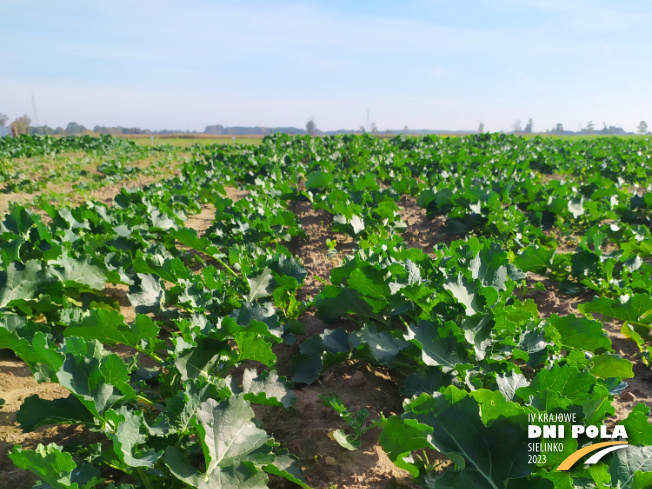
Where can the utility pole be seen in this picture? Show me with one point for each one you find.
(34, 110)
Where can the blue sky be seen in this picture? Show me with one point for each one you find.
(423, 64)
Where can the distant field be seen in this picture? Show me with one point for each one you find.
(185, 140)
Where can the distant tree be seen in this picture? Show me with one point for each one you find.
(590, 127)
(374, 128)
(517, 126)
(4, 118)
(559, 128)
(311, 127)
(363, 130)
(21, 124)
(642, 128)
(73, 129)
(528, 126)
(481, 127)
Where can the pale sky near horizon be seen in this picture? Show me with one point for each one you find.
(423, 64)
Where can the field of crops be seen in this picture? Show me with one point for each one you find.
(324, 312)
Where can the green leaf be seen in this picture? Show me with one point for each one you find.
(509, 383)
(536, 259)
(465, 293)
(82, 373)
(128, 428)
(346, 441)
(227, 433)
(198, 360)
(638, 427)
(402, 436)
(333, 302)
(80, 272)
(626, 463)
(239, 476)
(559, 384)
(636, 310)
(611, 365)
(482, 457)
(318, 179)
(319, 352)
(287, 466)
(382, 348)
(54, 466)
(253, 347)
(267, 388)
(437, 348)
(109, 328)
(35, 412)
(260, 285)
(580, 333)
(24, 282)
(146, 294)
(18, 221)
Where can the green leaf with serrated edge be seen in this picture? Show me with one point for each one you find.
(227, 432)
(490, 267)
(369, 286)
(170, 269)
(146, 294)
(402, 436)
(126, 434)
(81, 375)
(35, 412)
(477, 331)
(381, 346)
(267, 388)
(182, 407)
(80, 272)
(318, 179)
(598, 406)
(642, 480)
(50, 464)
(333, 302)
(109, 328)
(611, 365)
(253, 347)
(11, 340)
(437, 349)
(197, 360)
(624, 464)
(536, 259)
(638, 427)
(580, 333)
(288, 467)
(18, 221)
(319, 352)
(600, 475)
(479, 452)
(509, 383)
(466, 293)
(572, 385)
(493, 405)
(238, 476)
(260, 285)
(25, 282)
(636, 310)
